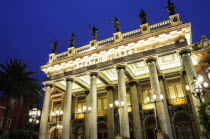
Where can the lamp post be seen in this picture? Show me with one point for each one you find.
(158, 128)
(116, 107)
(34, 115)
(199, 85)
(57, 114)
(85, 111)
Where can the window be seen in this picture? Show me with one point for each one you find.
(146, 92)
(176, 91)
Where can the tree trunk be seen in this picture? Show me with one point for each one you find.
(8, 112)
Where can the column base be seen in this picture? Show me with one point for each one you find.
(118, 137)
(160, 135)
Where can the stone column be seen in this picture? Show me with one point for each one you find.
(67, 109)
(137, 128)
(190, 71)
(123, 112)
(73, 107)
(45, 111)
(110, 112)
(93, 105)
(165, 104)
(87, 124)
(162, 111)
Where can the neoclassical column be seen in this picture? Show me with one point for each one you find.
(93, 104)
(45, 111)
(110, 112)
(123, 112)
(73, 107)
(67, 109)
(190, 71)
(137, 128)
(162, 111)
(87, 121)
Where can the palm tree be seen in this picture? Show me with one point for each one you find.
(16, 84)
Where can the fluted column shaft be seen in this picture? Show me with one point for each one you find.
(110, 112)
(93, 104)
(137, 128)
(123, 112)
(190, 71)
(87, 121)
(67, 109)
(162, 111)
(45, 111)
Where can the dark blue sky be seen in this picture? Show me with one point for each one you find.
(28, 26)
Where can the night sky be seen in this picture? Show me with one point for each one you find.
(27, 27)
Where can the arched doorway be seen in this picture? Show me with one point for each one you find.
(183, 126)
(79, 132)
(150, 128)
(102, 131)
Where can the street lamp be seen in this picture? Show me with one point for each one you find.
(199, 85)
(85, 111)
(117, 106)
(34, 115)
(158, 128)
(57, 114)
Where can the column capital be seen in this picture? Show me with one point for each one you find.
(109, 87)
(133, 82)
(93, 74)
(69, 79)
(150, 60)
(160, 76)
(49, 84)
(87, 92)
(185, 51)
(120, 67)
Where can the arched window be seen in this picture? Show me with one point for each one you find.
(150, 128)
(183, 126)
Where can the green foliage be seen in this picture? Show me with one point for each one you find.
(21, 134)
(202, 115)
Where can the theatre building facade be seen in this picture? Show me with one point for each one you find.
(132, 85)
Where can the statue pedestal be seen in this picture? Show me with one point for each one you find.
(93, 44)
(144, 28)
(160, 135)
(175, 20)
(117, 36)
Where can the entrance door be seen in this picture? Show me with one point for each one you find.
(183, 127)
(150, 128)
(102, 131)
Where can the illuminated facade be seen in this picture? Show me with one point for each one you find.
(131, 67)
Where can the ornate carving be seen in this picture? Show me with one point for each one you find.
(179, 108)
(203, 44)
(102, 119)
